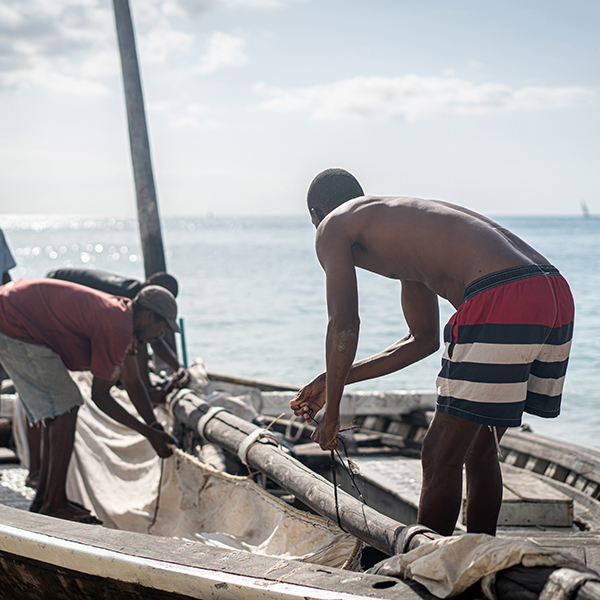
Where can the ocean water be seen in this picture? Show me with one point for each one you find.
(253, 300)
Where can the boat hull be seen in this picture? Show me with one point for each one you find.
(42, 557)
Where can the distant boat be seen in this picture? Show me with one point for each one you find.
(584, 209)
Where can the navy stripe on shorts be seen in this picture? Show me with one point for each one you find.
(507, 347)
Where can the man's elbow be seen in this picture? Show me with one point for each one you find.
(429, 344)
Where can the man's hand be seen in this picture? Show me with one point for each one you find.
(161, 442)
(310, 399)
(182, 378)
(325, 433)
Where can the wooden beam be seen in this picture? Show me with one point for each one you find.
(152, 244)
(229, 432)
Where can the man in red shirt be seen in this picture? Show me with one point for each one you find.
(49, 327)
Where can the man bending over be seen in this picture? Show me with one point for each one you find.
(50, 327)
(506, 347)
(116, 285)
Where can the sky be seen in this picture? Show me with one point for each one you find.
(490, 105)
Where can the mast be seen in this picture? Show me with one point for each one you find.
(148, 218)
(149, 221)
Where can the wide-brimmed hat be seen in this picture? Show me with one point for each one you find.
(162, 302)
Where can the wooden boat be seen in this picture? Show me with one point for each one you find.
(39, 556)
(43, 557)
(551, 487)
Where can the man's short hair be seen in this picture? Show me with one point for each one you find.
(331, 188)
(164, 280)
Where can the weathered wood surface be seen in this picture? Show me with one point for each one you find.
(265, 386)
(42, 558)
(527, 501)
(229, 432)
(360, 403)
(149, 221)
(562, 461)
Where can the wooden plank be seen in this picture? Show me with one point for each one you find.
(399, 475)
(391, 485)
(359, 403)
(577, 459)
(208, 572)
(533, 502)
(528, 487)
(526, 501)
(266, 386)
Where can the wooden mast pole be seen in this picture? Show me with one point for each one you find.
(150, 231)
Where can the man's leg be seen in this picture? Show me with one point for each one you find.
(38, 501)
(34, 441)
(51, 498)
(484, 483)
(60, 438)
(445, 449)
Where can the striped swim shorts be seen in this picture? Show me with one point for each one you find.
(507, 347)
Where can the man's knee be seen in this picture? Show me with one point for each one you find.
(448, 441)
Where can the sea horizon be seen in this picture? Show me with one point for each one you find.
(253, 300)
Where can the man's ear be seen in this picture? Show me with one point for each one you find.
(146, 316)
(316, 216)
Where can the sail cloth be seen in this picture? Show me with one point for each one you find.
(448, 566)
(115, 472)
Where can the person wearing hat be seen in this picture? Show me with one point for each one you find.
(116, 285)
(48, 328)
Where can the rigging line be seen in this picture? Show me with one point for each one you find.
(335, 492)
(162, 467)
(347, 468)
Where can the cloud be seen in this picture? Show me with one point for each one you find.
(223, 51)
(162, 42)
(49, 43)
(45, 42)
(194, 8)
(411, 97)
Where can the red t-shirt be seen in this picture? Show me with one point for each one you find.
(88, 329)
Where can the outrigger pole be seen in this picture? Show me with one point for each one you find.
(149, 221)
(148, 218)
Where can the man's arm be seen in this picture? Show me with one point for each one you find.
(421, 311)
(334, 251)
(165, 353)
(136, 390)
(142, 364)
(107, 404)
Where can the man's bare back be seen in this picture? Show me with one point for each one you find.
(438, 244)
(506, 347)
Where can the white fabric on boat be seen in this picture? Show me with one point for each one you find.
(115, 473)
(448, 566)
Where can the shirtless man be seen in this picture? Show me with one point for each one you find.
(506, 347)
(50, 327)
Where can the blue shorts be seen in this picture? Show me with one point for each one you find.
(41, 378)
(507, 347)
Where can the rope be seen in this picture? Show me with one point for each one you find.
(347, 467)
(262, 434)
(300, 428)
(162, 467)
